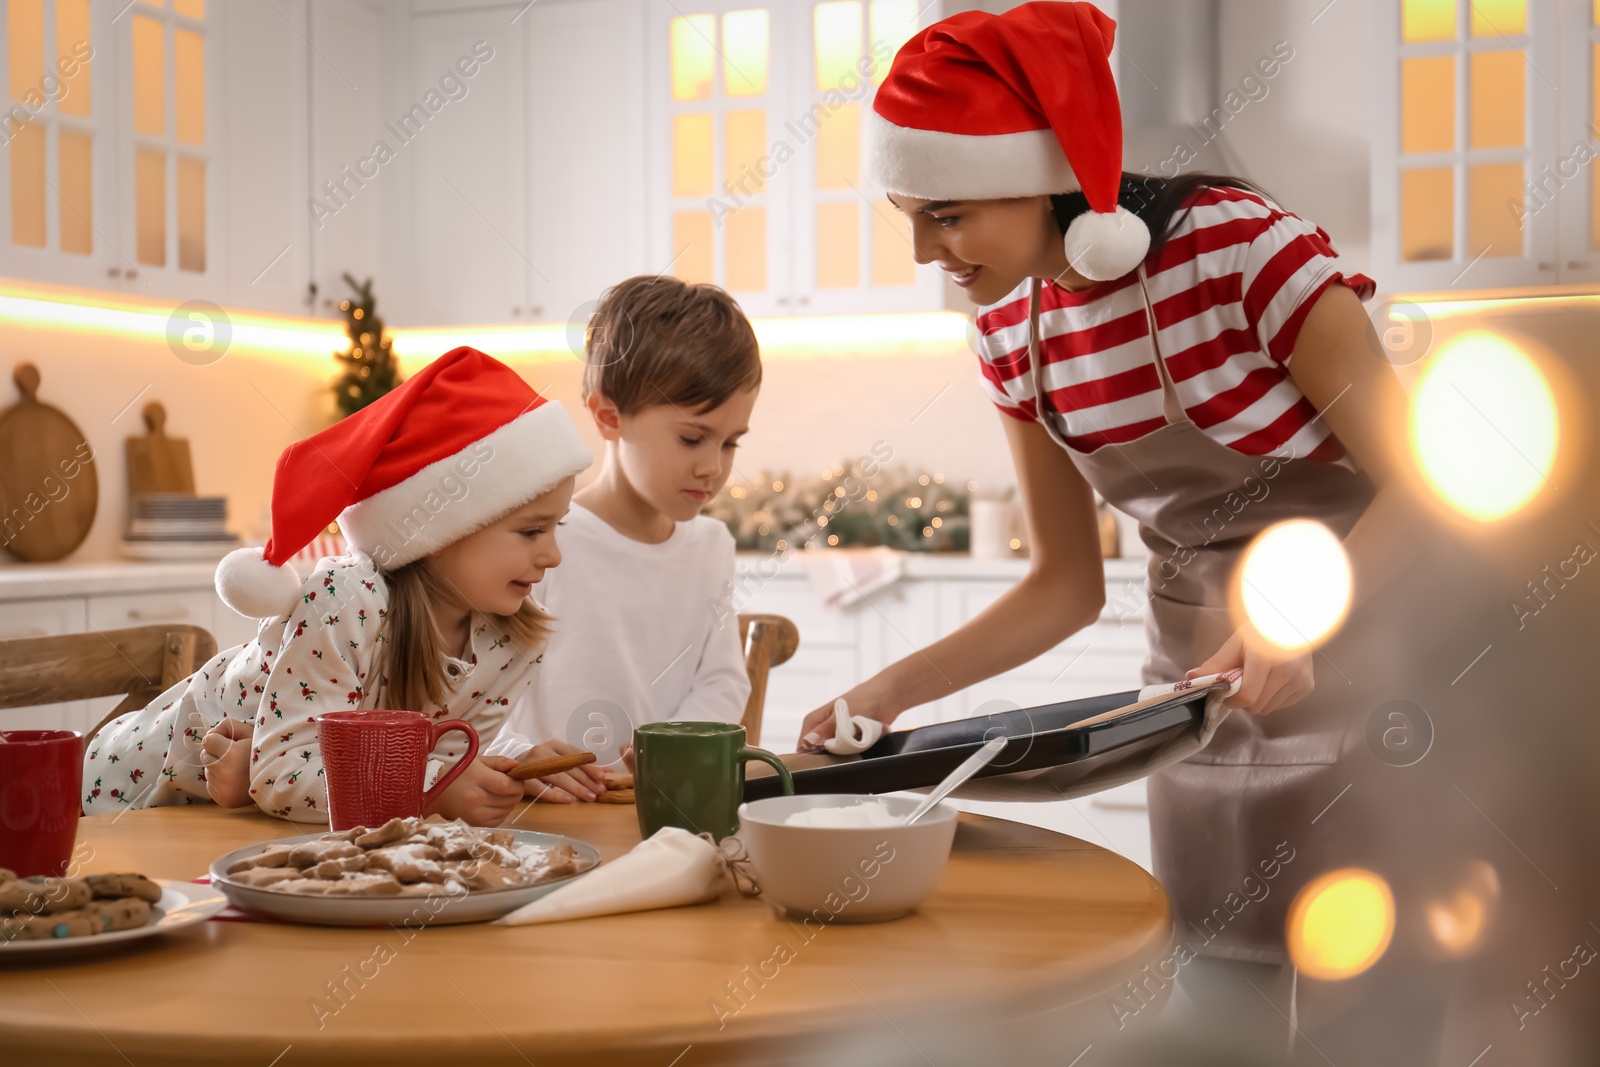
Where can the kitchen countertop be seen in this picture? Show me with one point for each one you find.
(30, 581)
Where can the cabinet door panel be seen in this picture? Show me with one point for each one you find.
(471, 257)
(44, 618)
(584, 150)
(351, 187)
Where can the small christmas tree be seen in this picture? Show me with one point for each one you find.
(369, 366)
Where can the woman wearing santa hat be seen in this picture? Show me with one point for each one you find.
(1196, 354)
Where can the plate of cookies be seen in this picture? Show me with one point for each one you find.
(407, 869)
(54, 916)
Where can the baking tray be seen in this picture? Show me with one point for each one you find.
(1039, 738)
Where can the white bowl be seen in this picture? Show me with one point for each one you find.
(845, 874)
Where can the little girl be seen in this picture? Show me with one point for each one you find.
(448, 491)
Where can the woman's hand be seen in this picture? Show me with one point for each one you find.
(225, 755)
(1273, 678)
(580, 783)
(820, 725)
(481, 795)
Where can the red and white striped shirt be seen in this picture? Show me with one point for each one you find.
(1230, 288)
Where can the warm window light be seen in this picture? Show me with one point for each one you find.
(1294, 583)
(1340, 924)
(1484, 426)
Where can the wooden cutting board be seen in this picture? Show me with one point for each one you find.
(49, 490)
(158, 463)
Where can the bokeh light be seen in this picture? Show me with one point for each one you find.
(1458, 923)
(1294, 583)
(1340, 924)
(1484, 426)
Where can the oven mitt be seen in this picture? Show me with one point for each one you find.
(1216, 710)
(852, 733)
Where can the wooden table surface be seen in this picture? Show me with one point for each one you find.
(1023, 921)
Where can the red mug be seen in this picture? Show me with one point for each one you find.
(41, 797)
(373, 763)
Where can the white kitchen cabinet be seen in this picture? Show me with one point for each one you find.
(130, 178)
(1481, 172)
(463, 140)
(44, 617)
(354, 184)
(169, 136)
(757, 139)
(585, 179)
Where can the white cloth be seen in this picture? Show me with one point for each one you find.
(648, 628)
(840, 577)
(318, 658)
(851, 733)
(672, 868)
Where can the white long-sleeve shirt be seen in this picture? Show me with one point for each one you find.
(317, 658)
(643, 633)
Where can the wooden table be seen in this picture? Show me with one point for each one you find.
(1024, 921)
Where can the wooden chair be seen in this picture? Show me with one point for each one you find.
(137, 664)
(768, 641)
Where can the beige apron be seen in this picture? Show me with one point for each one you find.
(1235, 808)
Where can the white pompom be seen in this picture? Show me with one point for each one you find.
(1106, 245)
(254, 588)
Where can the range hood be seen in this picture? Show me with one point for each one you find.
(1167, 76)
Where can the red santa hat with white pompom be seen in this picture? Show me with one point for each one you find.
(987, 107)
(460, 444)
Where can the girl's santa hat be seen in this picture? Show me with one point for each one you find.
(988, 107)
(458, 445)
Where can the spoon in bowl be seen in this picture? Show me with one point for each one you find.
(969, 766)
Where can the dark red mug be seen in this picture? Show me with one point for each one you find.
(373, 763)
(41, 796)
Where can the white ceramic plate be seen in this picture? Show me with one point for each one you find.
(476, 907)
(181, 904)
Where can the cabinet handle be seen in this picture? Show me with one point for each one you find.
(805, 300)
(535, 311)
(516, 311)
(783, 300)
(1120, 805)
(175, 611)
(1577, 264)
(32, 631)
(1547, 266)
(113, 272)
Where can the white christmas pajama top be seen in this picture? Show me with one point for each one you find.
(317, 659)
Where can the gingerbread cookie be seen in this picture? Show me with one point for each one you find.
(116, 886)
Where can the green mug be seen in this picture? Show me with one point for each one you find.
(691, 774)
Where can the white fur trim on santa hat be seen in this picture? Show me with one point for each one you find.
(254, 588)
(461, 494)
(933, 165)
(1102, 245)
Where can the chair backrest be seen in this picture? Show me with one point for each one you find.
(137, 664)
(768, 641)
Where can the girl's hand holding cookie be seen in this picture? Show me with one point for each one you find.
(225, 755)
(580, 783)
(483, 794)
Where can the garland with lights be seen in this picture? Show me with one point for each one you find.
(844, 508)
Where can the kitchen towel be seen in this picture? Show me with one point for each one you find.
(851, 733)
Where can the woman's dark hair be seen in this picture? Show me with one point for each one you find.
(1155, 200)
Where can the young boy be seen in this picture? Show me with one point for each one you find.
(643, 628)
